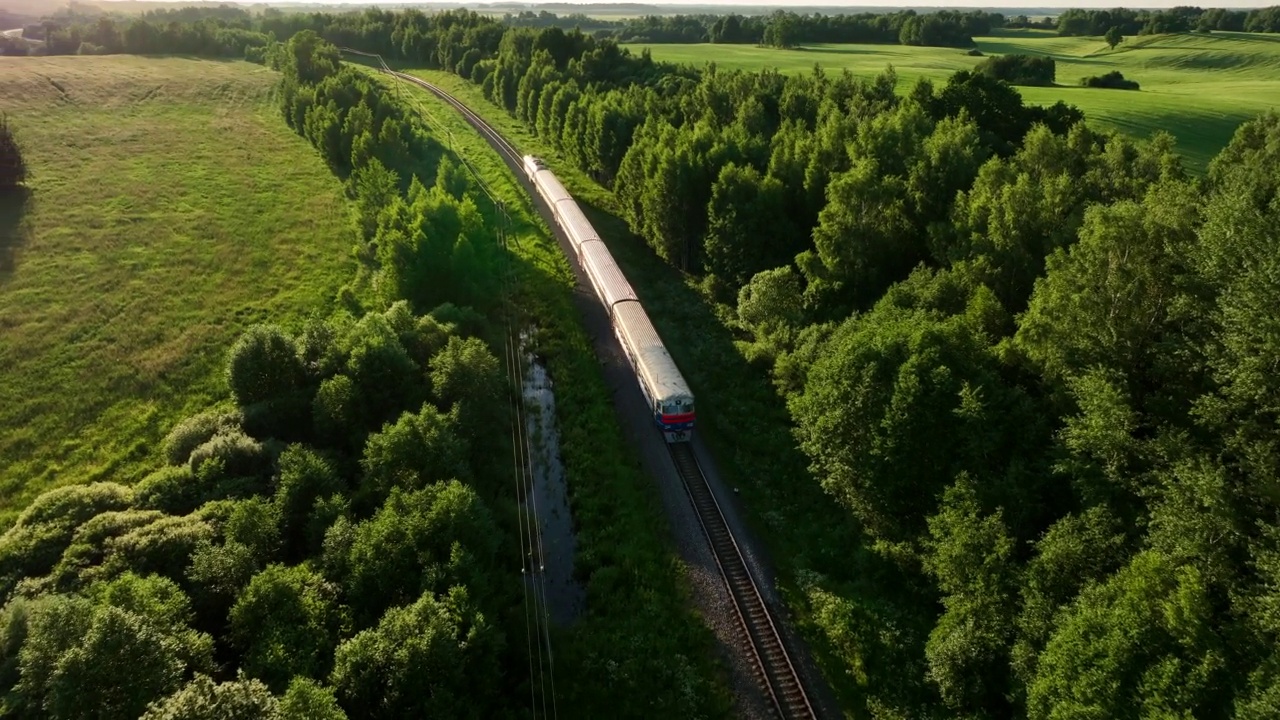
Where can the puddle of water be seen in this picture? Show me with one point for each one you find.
(547, 499)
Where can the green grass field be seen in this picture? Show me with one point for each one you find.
(171, 208)
(1198, 87)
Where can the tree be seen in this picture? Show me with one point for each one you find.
(1113, 300)
(900, 401)
(1113, 37)
(422, 660)
(373, 186)
(203, 699)
(263, 365)
(425, 540)
(288, 622)
(747, 226)
(971, 557)
(125, 646)
(864, 235)
(418, 450)
(1140, 644)
(771, 304)
(308, 700)
(13, 168)
(310, 59)
(305, 478)
(467, 374)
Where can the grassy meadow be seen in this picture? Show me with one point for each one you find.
(1198, 87)
(171, 207)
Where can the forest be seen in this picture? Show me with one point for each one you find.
(1031, 363)
(1029, 360)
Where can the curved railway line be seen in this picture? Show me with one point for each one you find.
(774, 671)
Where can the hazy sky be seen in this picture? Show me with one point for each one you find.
(934, 3)
(853, 6)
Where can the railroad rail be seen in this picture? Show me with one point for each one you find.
(774, 670)
(772, 665)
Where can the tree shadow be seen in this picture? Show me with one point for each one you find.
(15, 227)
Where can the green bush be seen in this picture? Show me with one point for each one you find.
(1114, 80)
(175, 490)
(195, 431)
(163, 547)
(239, 454)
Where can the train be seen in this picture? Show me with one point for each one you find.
(664, 388)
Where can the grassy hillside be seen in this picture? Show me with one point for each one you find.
(1199, 87)
(171, 208)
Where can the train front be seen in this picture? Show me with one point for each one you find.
(675, 417)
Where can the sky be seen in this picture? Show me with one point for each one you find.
(1109, 4)
(834, 5)
(854, 7)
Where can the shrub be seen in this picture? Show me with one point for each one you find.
(240, 454)
(35, 544)
(175, 490)
(13, 169)
(163, 547)
(88, 545)
(974, 52)
(1114, 80)
(196, 431)
(1020, 69)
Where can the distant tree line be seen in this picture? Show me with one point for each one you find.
(787, 29)
(1174, 20)
(228, 31)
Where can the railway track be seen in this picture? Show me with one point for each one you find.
(772, 665)
(775, 672)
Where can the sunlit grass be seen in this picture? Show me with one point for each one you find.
(171, 208)
(1198, 87)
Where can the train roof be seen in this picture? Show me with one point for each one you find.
(576, 224)
(552, 190)
(655, 364)
(605, 273)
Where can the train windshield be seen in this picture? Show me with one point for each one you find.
(680, 406)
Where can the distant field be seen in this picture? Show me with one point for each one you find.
(1199, 87)
(171, 209)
